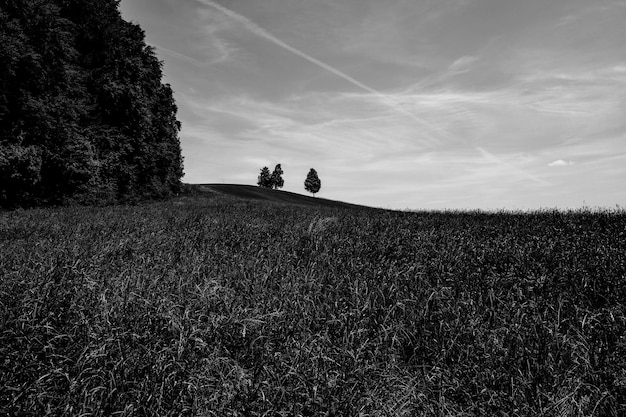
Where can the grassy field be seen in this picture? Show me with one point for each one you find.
(213, 305)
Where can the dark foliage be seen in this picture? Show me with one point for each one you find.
(277, 177)
(84, 116)
(312, 183)
(265, 178)
(273, 180)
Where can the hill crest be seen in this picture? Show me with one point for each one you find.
(251, 192)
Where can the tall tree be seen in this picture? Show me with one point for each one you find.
(312, 183)
(84, 116)
(277, 177)
(265, 178)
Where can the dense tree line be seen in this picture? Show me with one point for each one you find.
(84, 116)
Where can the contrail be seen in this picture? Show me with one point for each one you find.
(492, 158)
(178, 55)
(259, 31)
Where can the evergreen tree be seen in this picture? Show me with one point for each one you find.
(277, 179)
(84, 116)
(312, 183)
(265, 178)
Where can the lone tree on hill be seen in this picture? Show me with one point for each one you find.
(312, 183)
(265, 179)
(277, 179)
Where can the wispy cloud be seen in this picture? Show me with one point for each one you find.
(434, 132)
(560, 163)
(179, 55)
(510, 167)
(447, 104)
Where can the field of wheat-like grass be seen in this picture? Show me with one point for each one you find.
(225, 307)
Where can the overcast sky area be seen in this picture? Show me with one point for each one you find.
(403, 104)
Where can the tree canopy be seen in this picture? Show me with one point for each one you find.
(277, 177)
(265, 178)
(84, 116)
(312, 183)
(273, 180)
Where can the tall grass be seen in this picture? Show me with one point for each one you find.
(220, 307)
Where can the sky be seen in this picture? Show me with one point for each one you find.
(402, 104)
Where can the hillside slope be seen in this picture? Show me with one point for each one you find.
(250, 192)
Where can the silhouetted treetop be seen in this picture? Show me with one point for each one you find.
(277, 177)
(265, 178)
(312, 182)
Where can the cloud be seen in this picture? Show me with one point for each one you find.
(510, 167)
(387, 101)
(462, 64)
(560, 163)
(179, 55)
(394, 108)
